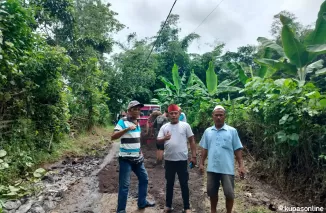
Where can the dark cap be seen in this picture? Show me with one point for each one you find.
(133, 104)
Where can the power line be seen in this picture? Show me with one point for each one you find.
(160, 31)
(207, 16)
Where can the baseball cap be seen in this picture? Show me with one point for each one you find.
(219, 107)
(134, 103)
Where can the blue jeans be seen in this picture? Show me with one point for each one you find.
(124, 181)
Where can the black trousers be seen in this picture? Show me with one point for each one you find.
(180, 168)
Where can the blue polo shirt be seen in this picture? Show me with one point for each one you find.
(221, 144)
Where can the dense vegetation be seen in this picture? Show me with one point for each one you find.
(58, 75)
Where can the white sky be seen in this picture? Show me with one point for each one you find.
(234, 22)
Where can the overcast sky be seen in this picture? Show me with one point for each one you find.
(234, 22)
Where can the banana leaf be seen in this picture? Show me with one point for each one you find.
(176, 78)
(318, 36)
(293, 49)
(167, 83)
(315, 66)
(317, 48)
(238, 70)
(211, 79)
(272, 45)
(277, 65)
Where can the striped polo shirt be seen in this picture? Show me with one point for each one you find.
(130, 141)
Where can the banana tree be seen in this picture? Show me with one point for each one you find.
(182, 91)
(239, 70)
(173, 92)
(212, 87)
(297, 58)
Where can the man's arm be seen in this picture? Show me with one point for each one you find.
(164, 138)
(118, 134)
(161, 137)
(238, 156)
(160, 140)
(193, 149)
(204, 153)
(147, 127)
(237, 147)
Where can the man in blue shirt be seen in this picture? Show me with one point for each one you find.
(131, 158)
(220, 143)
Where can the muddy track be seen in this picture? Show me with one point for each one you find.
(97, 193)
(84, 195)
(108, 183)
(90, 185)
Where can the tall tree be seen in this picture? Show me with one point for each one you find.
(129, 77)
(299, 29)
(170, 49)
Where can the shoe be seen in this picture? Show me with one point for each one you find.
(168, 210)
(148, 204)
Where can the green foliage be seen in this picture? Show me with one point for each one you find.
(211, 79)
(20, 187)
(272, 45)
(130, 78)
(300, 54)
(293, 49)
(55, 78)
(49, 79)
(175, 92)
(318, 35)
(281, 119)
(238, 71)
(176, 78)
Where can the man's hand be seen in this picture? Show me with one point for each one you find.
(167, 136)
(133, 127)
(242, 172)
(118, 134)
(201, 168)
(194, 161)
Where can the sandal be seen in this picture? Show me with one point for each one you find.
(186, 211)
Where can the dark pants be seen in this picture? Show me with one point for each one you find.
(181, 168)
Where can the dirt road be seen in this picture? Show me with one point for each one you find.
(97, 193)
(108, 184)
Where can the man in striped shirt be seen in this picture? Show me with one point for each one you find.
(131, 157)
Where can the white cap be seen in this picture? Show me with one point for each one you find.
(219, 107)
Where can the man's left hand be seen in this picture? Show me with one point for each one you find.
(194, 161)
(242, 172)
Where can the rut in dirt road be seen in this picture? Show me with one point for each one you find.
(108, 183)
(84, 196)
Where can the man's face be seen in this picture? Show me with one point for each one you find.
(219, 116)
(174, 116)
(134, 112)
